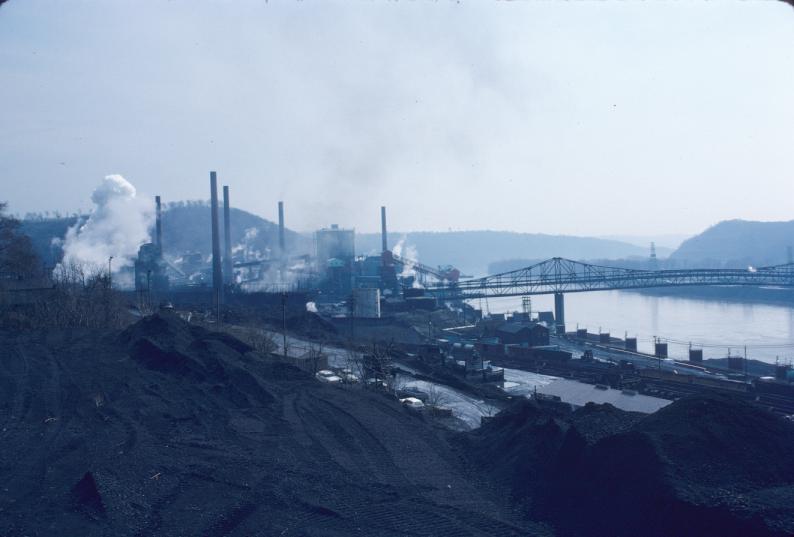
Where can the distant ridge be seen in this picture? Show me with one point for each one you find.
(738, 243)
(473, 251)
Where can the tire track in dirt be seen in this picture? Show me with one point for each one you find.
(354, 446)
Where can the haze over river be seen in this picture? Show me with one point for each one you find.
(716, 326)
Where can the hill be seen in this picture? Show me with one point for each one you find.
(473, 251)
(42, 233)
(738, 243)
(169, 429)
(186, 228)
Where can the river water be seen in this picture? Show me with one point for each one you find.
(716, 326)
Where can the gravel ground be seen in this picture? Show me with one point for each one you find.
(167, 429)
(706, 465)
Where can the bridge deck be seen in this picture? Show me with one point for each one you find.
(560, 275)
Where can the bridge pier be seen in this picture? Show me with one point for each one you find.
(559, 313)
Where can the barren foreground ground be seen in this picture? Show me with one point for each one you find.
(166, 429)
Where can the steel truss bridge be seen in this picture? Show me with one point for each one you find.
(557, 276)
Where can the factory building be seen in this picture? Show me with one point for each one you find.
(150, 269)
(336, 252)
(335, 243)
(531, 334)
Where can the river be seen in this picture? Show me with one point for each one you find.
(716, 326)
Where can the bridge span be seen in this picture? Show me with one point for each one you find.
(558, 276)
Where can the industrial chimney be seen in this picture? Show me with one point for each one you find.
(228, 274)
(281, 239)
(217, 275)
(383, 237)
(158, 226)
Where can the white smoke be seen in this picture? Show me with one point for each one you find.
(247, 246)
(409, 254)
(118, 225)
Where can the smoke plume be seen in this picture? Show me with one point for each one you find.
(409, 254)
(118, 225)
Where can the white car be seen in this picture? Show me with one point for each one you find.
(413, 403)
(330, 377)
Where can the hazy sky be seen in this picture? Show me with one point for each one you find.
(578, 118)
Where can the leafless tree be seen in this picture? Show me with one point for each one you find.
(486, 409)
(17, 257)
(261, 340)
(315, 356)
(435, 397)
(81, 297)
(377, 365)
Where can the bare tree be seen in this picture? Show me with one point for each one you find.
(82, 297)
(435, 397)
(487, 410)
(315, 356)
(261, 340)
(17, 257)
(377, 365)
(355, 362)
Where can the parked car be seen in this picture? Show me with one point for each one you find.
(412, 403)
(324, 375)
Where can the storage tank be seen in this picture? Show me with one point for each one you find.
(366, 303)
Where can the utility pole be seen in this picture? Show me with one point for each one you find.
(110, 271)
(284, 321)
(107, 294)
(352, 318)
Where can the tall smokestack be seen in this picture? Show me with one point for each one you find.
(217, 275)
(281, 239)
(227, 239)
(158, 226)
(383, 236)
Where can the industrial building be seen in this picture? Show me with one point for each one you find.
(338, 280)
(531, 334)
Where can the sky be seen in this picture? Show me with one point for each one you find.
(620, 118)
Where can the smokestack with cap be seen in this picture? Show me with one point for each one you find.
(158, 226)
(217, 275)
(281, 239)
(227, 239)
(383, 236)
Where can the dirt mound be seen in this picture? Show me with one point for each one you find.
(155, 357)
(716, 441)
(86, 496)
(594, 421)
(706, 465)
(168, 429)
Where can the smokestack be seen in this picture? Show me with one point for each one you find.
(217, 275)
(281, 240)
(227, 239)
(383, 236)
(158, 227)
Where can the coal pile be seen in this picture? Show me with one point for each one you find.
(169, 429)
(705, 465)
